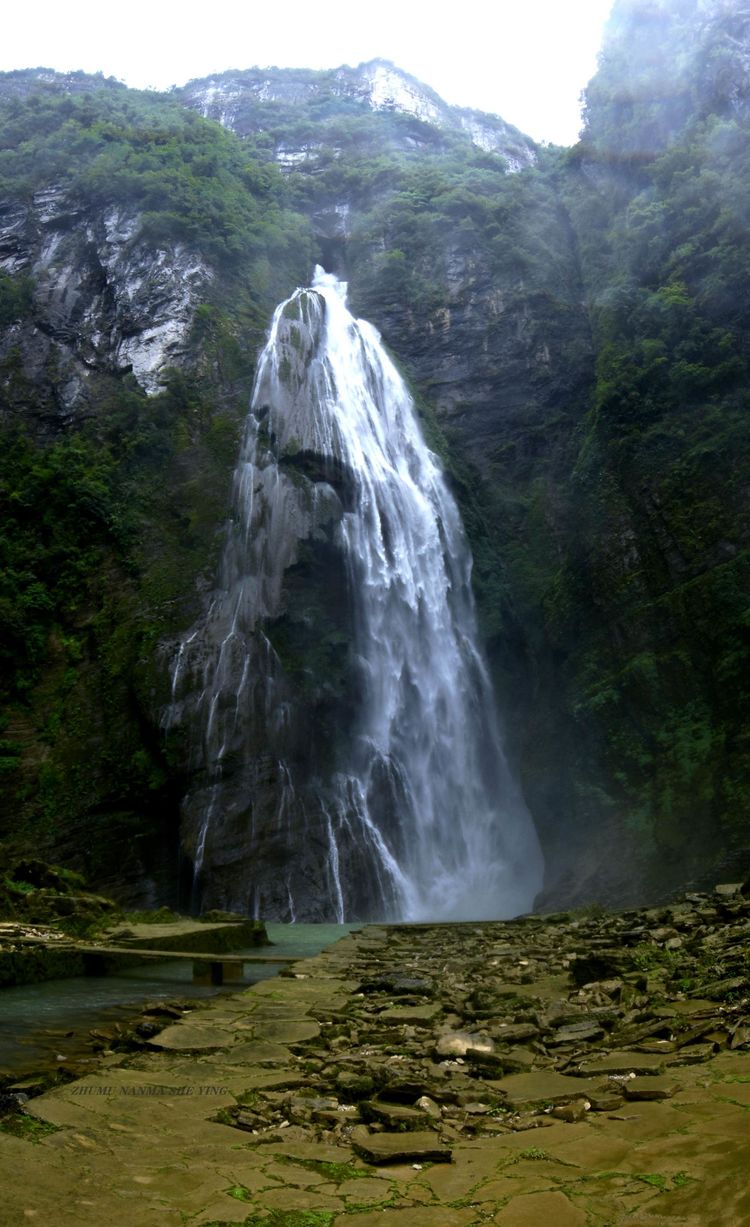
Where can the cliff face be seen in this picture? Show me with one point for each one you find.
(105, 316)
(141, 258)
(575, 326)
(106, 302)
(244, 101)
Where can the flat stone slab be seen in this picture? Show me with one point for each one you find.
(691, 1054)
(286, 1030)
(622, 1063)
(538, 1208)
(418, 1014)
(539, 1087)
(514, 1061)
(148, 1141)
(418, 1216)
(650, 1088)
(257, 1052)
(576, 1033)
(414, 1147)
(393, 1115)
(184, 1037)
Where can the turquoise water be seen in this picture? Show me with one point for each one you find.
(41, 1022)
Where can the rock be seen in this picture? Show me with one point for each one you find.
(507, 1033)
(622, 1063)
(384, 1148)
(605, 1101)
(573, 1111)
(458, 1043)
(398, 985)
(393, 1116)
(354, 1084)
(28, 1087)
(662, 935)
(515, 1061)
(718, 990)
(420, 1015)
(740, 1036)
(602, 966)
(692, 1054)
(576, 1033)
(650, 1088)
(187, 1037)
(539, 1088)
(664, 1047)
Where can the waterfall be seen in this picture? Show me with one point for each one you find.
(395, 802)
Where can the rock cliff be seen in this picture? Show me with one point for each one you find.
(241, 101)
(575, 326)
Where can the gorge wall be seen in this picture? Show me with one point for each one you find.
(574, 324)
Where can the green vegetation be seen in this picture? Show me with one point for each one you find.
(239, 1193)
(577, 336)
(108, 517)
(188, 179)
(336, 1172)
(281, 1218)
(30, 1128)
(154, 916)
(649, 610)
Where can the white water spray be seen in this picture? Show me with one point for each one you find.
(421, 818)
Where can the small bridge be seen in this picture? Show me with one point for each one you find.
(207, 968)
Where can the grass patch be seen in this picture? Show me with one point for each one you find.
(656, 1181)
(336, 1172)
(681, 1180)
(535, 1152)
(665, 1184)
(293, 1218)
(248, 1099)
(29, 1127)
(156, 916)
(280, 1218)
(239, 1193)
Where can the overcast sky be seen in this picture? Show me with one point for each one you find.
(526, 60)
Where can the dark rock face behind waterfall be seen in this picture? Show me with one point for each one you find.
(400, 786)
(574, 325)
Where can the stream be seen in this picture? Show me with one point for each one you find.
(48, 1023)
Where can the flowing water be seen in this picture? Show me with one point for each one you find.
(417, 817)
(43, 1023)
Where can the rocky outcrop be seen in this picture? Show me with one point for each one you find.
(262, 686)
(104, 301)
(240, 100)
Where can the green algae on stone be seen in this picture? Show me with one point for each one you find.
(31, 1128)
(337, 1172)
(281, 1218)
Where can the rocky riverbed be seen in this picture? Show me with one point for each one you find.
(592, 1068)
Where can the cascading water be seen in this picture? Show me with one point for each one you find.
(398, 803)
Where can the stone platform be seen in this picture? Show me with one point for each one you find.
(586, 1071)
(32, 953)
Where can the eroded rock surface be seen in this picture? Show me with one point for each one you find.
(460, 1073)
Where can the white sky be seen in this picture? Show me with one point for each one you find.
(526, 60)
